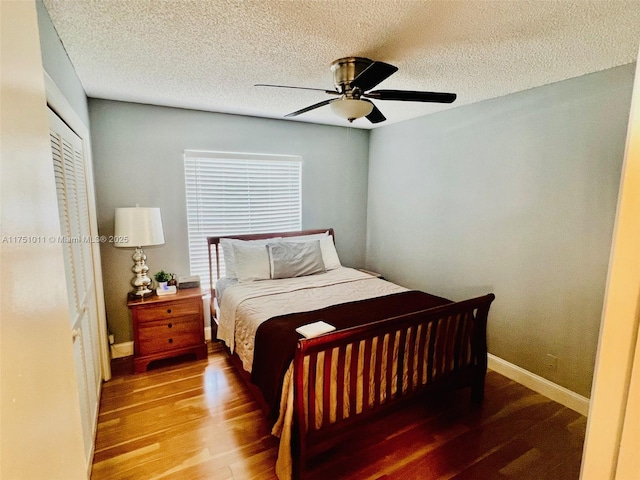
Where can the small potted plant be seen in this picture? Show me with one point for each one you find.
(162, 278)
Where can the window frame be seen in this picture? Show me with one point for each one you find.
(198, 230)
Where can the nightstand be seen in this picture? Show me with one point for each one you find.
(167, 326)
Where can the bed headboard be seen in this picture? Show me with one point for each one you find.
(213, 244)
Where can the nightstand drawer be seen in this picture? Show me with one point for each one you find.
(167, 334)
(168, 311)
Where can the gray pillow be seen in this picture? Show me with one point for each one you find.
(292, 259)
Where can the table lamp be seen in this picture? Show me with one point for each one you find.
(137, 227)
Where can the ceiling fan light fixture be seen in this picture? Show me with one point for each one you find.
(351, 108)
(353, 78)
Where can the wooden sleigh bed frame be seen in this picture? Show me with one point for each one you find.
(349, 376)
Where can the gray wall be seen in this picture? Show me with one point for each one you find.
(515, 196)
(57, 64)
(138, 157)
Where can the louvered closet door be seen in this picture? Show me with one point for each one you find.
(69, 168)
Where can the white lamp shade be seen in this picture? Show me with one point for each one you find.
(350, 108)
(138, 227)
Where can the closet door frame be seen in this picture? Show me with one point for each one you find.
(60, 105)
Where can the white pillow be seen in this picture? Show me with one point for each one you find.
(329, 254)
(306, 238)
(228, 253)
(252, 261)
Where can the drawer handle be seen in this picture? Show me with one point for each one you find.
(168, 310)
(171, 340)
(170, 325)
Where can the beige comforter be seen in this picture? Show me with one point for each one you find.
(247, 305)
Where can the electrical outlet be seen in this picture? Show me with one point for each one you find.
(552, 362)
(112, 339)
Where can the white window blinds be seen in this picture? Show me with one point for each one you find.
(236, 193)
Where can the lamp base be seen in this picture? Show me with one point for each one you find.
(131, 296)
(141, 281)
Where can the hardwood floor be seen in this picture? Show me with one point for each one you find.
(197, 420)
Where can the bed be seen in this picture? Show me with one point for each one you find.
(386, 344)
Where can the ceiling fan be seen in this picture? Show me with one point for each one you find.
(354, 77)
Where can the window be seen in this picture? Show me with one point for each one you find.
(238, 193)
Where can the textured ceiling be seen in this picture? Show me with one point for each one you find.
(207, 55)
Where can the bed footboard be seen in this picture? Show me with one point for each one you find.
(345, 377)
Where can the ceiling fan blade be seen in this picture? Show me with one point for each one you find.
(331, 92)
(376, 115)
(373, 75)
(411, 96)
(312, 107)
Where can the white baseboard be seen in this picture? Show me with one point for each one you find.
(120, 350)
(541, 385)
